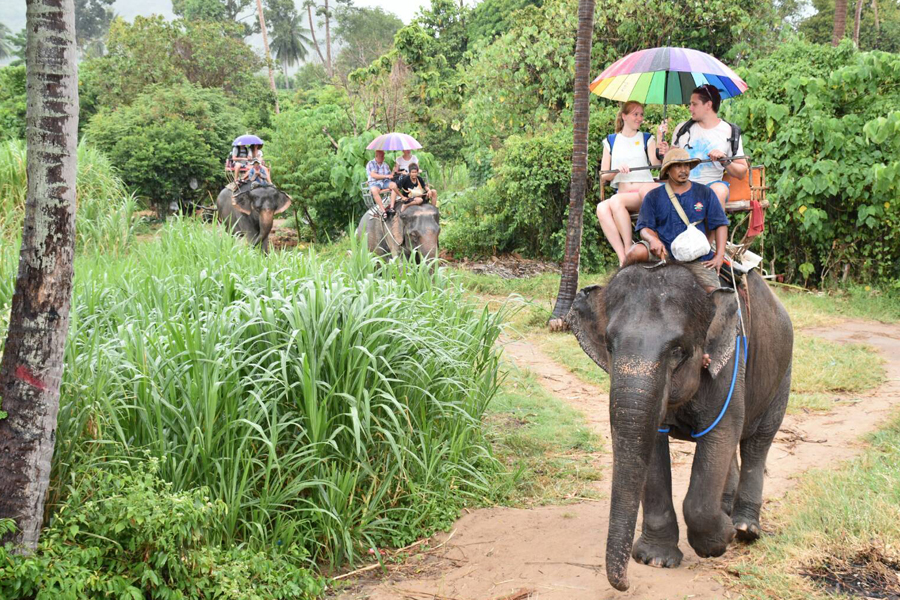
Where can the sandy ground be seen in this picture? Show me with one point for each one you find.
(556, 552)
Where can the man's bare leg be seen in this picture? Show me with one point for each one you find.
(376, 195)
(638, 253)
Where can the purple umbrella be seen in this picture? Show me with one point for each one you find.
(394, 141)
(247, 140)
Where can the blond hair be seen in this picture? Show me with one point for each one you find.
(626, 109)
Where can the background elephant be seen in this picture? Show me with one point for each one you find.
(252, 212)
(421, 228)
(649, 329)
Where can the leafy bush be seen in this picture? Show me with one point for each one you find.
(105, 209)
(308, 166)
(125, 533)
(12, 103)
(328, 408)
(167, 136)
(824, 122)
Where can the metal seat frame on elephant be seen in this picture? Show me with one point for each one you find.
(741, 193)
(369, 200)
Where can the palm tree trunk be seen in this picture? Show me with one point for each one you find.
(840, 22)
(265, 36)
(312, 31)
(328, 40)
(568, 285)
(856, 19)
(877, 21)
(32, 363)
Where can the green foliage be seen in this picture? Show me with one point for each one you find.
(126, 533)
(365, 34)
(92, 19)
(153, 51)
(302, 158)
(103, 220)
(167, 136)
(524, 206)
(491, 18)
(824, 122)
(12, 103)
(885, 35)
(304, 394)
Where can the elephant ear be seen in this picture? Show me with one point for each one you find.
(588, 321)
(287, 203)
(720, 337)
(242, 203)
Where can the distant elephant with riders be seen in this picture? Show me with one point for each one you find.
(412, 231)
(251, 211)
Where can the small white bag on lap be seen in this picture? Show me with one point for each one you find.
(690, 244)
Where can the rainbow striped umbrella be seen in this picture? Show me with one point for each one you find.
(665, 76)
(394, 141)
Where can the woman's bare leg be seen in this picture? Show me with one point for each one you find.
(608, 225)
(622, 205)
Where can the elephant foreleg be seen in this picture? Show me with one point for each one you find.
(658, 544)
(731, 485)
(754, 451)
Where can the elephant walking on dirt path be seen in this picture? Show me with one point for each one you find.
(650, 328)
(252, 211)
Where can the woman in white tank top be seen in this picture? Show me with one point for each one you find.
(628, 151)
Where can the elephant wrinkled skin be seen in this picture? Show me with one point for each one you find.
(649, 329)
(421, 228)
(252, 213)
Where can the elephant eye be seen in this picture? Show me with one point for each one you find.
(678, 352)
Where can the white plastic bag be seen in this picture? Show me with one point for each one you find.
(690, 245)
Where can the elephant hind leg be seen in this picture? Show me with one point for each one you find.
(754, 451)
(658, 544)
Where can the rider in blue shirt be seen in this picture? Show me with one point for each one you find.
(659, 223)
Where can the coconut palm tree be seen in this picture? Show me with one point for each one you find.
(290, 42)
(32, 362)
(5, 48)
(568, 284)
(840, 22)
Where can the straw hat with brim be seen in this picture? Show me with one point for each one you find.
(676, 156)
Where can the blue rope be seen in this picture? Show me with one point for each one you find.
(737, 364)
(741, 339)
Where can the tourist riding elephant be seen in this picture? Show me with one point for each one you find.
(655, 330)
(420, 227)
(252, 211)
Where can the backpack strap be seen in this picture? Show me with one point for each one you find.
(735, 139)
(647, 137)
(686, 128)
(611, 140)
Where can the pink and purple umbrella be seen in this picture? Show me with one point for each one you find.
(394, 141)
(665, 76)
(247, 140)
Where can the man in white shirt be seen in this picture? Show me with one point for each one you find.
(706, 136)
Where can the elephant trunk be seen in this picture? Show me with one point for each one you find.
(266, 219)
(634, 409)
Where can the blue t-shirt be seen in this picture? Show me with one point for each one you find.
(699, 204)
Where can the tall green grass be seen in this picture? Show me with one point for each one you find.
(105, 208)
(327, 403)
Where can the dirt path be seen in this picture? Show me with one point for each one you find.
(557, 551)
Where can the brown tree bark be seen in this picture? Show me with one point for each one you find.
(31, 367)
(856, 19)
(840, 22)
(330, 67)
(312, 31)
(568, 285)
(265, 36)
